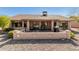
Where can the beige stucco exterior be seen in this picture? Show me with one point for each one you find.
(41, 35)
(48, 22)
(29, 24)
(74, 24)
(29, 19)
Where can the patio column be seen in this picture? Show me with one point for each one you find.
(40, 24)
(28, 26)
(22, 24)
(18, 24)
(52, 24)
(69, 25)
(13, 25)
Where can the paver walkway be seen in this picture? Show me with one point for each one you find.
(37, 45)
(3, 39)
(76, 36)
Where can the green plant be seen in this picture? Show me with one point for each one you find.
(64, 26)
(72, 34)
(8, 29)
(4, 22)
(10, 34)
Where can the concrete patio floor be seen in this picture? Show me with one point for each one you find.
(39, 45)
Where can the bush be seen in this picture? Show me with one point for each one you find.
(10, 34)
(8, 29)
(72, 34)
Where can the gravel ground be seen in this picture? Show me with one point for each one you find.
(39, 45)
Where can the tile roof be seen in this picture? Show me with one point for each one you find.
(39, 17)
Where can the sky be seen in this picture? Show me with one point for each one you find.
(11, 11)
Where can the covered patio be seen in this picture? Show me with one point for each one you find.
(40, 25)
(42, 22)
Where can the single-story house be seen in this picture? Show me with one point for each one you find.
(40, 23)
(75, 24)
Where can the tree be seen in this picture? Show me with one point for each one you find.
(76, 18)
(4, 22)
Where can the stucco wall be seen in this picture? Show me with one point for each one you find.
(74, 24)
(41, 35)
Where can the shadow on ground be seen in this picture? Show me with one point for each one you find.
(40, 41)
(3, 37)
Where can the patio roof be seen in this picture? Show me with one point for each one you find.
(40, 17)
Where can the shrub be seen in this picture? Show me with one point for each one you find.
(72, 34)
(8, 29)
(10, 34)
